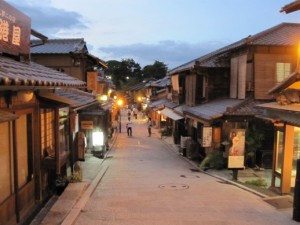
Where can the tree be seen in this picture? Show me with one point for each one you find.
(124, 73)
(127, 73)
(157, 70)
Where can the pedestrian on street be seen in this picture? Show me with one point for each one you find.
(135, 112)
(149, 130)
(128, 114)
(149, 120)
(129, 128)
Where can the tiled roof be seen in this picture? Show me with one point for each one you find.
(284, 34)
(278, 113)
(59, 46)
(170, 104)
(164, 82)
(137, 87)
(80, 98)
(211, 110)
(159, 104)
(246, 108)
(14, 73)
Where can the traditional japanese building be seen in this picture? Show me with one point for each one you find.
(38, 121)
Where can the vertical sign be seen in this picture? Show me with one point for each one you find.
(207, 136)
(237, 149)
(15, 28)
(92, 81)
(81, 145)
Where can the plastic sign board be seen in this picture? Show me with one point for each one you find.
(237, 149)
(15, 29)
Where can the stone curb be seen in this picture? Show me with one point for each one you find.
(75, 211)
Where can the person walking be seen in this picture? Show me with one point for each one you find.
(128, 114)
(129, 128)
(149, 120)
(149, 130)
(135, 112)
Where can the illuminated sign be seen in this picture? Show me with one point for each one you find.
(87, 125)
(15, 28)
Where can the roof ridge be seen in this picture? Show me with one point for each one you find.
(271, 29)
(244, 41)
(59, 39)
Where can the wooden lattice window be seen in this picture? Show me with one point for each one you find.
(283, 70)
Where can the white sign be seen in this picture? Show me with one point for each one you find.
(207, 136)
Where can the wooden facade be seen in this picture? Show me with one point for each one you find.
(19, 160)
(70, 56)
(244, 71)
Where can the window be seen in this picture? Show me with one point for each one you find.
(283, 70)
(47, 132)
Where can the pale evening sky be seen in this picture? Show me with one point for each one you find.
(170, 31)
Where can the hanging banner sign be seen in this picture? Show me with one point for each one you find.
(15, 29)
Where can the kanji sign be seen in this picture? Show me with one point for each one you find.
(15, 30)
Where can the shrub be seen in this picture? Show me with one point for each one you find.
(214, 160)
(260, 182)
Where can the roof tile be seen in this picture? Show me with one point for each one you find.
(59, 46)
(16, 73)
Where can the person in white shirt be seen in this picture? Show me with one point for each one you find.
(129, 128)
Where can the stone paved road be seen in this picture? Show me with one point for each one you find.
(148, 184)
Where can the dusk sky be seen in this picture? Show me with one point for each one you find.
(170, 31)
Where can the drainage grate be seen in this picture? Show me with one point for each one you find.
(173, 186)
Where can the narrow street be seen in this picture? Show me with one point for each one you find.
(146, 182)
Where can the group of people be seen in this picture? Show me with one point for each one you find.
(132, 112)
(129, 126)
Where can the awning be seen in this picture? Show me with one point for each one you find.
(171, 114)
(7, 116)
(58, 98)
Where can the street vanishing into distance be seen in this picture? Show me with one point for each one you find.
(148, 183)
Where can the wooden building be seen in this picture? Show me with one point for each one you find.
(70, 56)
(219, 90)
(284, 114)
(32, 130)
(38, 121)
